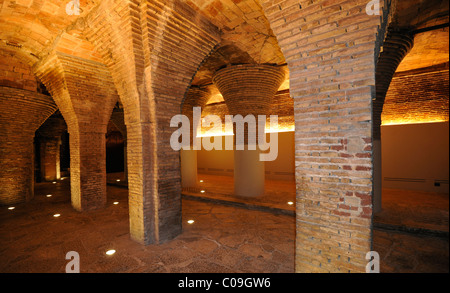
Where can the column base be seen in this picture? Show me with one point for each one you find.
(249, 174)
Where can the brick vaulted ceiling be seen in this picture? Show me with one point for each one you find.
(29, 29)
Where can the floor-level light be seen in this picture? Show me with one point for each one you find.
(110, 252)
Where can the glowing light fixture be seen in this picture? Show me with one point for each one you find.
(191, 222)
(11, 208)
(54, 182)
(57, 215)
(110, 252)
(118, 180)
(49, 195)
(116, 203)
(290, 203)
(201, 181)
(203, 191)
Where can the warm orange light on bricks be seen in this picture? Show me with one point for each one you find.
(281, 129)
(413, 121)
(217, 134)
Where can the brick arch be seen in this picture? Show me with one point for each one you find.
(330, 48)
(153, 51)
(396, 46)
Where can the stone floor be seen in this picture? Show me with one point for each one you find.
(222, 239)
(229, 234)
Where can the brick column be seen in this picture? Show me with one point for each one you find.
(152, 74)
(396, 46)
(88, 169)
(22, 112)
(249, 90)
(50, 158)
(196, 97)
(85, 94)
(330, 48)
(50, 133)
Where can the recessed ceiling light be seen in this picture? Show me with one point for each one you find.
(191, 222)
(110, 252)
(11, 208)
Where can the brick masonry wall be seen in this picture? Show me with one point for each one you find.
(330, 48)
(15, 73)
(23, 112)
(195, 97)
(418, 96)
